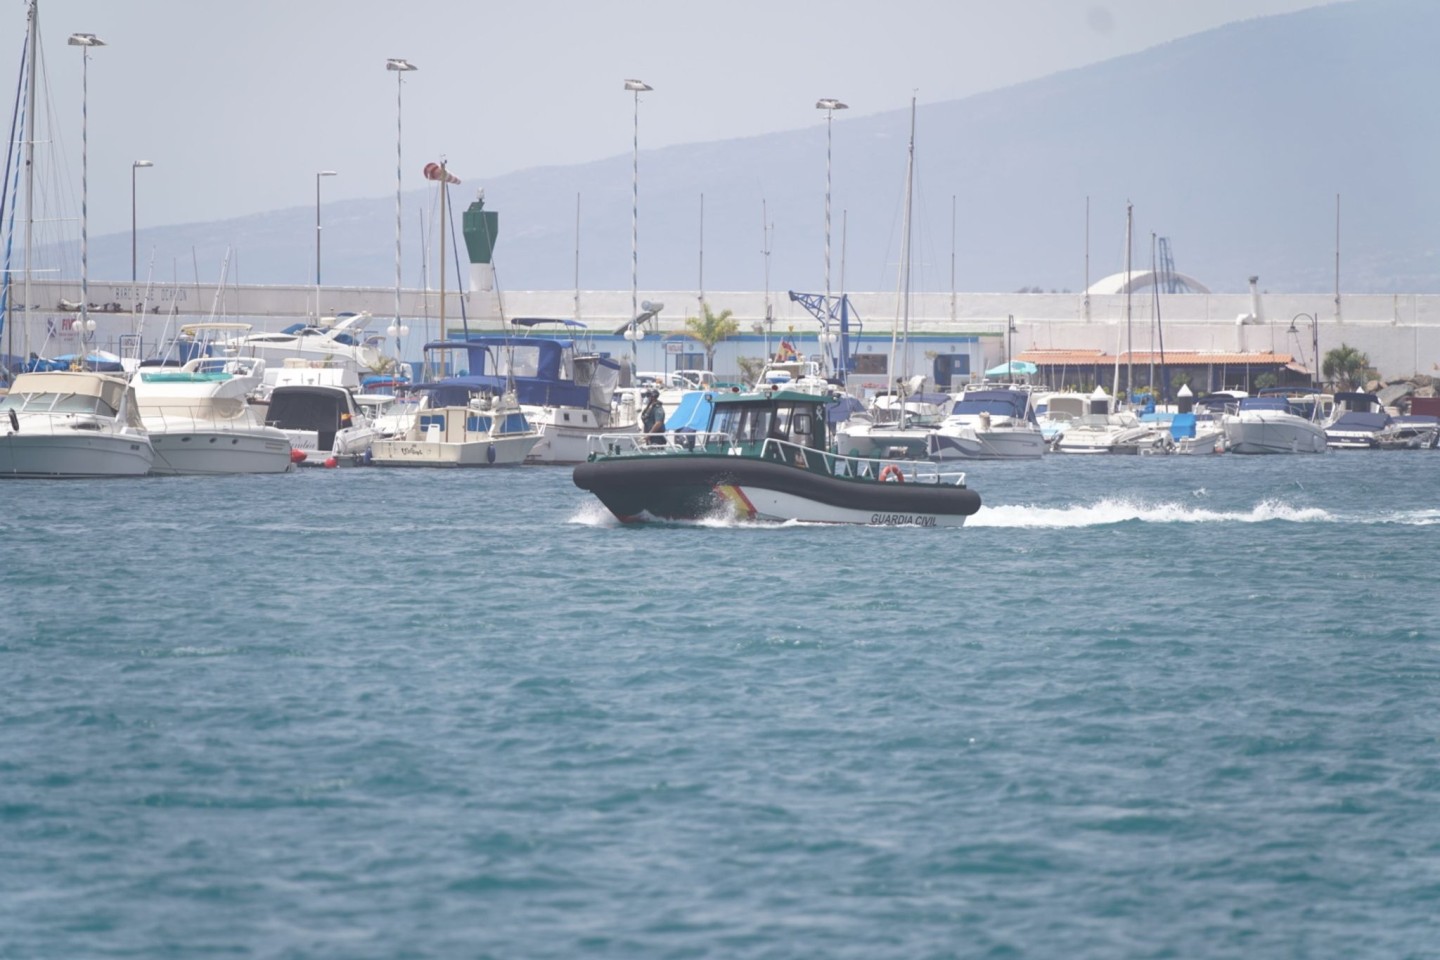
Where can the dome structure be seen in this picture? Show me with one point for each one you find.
(1144, 280)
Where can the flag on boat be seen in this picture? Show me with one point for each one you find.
(437, 171)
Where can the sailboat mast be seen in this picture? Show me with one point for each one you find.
(1129, 325)
(577, 256)
(1160, 335)
(904, 329)
(31, 43)
(909, 227)
(444, 202)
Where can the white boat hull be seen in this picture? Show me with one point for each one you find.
(986, 445)
(75, 454)
(500, 452)
(202, 451)
(759, 503)
(1273, 433)
(565, 434)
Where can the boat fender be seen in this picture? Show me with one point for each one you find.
(331, 463)
(892, 474)
(297, 455)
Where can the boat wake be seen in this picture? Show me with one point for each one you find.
(1104, 512)
(1111, 511)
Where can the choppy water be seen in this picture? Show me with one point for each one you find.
(1140, 707)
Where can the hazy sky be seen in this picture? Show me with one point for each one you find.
(239, 104)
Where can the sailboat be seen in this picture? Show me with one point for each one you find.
(468, 420)
(65, 423)
(900, 421)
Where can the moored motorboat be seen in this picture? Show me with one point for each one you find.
(200, 420)
(460, 423)
(318, 410)
(1277, 420)
(988, 423)
(72, 424)
(764, 456)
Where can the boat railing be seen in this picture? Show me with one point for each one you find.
(670, 442)
(866, 469)
(862, 468)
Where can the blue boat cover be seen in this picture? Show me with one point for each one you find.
(692, 412)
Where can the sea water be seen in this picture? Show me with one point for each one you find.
(1138, 707)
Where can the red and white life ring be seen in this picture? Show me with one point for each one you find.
(892, 474)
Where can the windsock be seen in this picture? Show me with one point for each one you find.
(435, 171)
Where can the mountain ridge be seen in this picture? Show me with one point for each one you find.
(1235, 143)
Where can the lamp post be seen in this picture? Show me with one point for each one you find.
(133, 167)
(401, 67)
(637, 87)
(85, 41)
(318, 175)
(829, 105)
(1009, 357)
(1314, 344)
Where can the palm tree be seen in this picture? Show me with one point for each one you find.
(1346, 367)
(710, 329)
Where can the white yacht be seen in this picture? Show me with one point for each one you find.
(72, 424)
(1278, 420)
(200, 420)
(988, 422)
(1056, 410)
(340, 340)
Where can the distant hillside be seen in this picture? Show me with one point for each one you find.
(1233, 143)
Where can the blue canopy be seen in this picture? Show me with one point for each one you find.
(691, 413)
(1022, 368)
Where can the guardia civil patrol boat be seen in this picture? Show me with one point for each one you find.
(765, 456)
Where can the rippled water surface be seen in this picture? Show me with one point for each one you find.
(1139, 707)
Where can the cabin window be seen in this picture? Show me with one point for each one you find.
(871, 364)
(517, 361)
(781, 425)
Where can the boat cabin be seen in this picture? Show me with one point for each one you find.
(752, 418)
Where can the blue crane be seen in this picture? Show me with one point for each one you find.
(841, 317)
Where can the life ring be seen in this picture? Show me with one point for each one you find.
(892, 474)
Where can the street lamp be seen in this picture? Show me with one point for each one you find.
(1009, 361)
(133, 167)
(401, 67)
(85, 41)
(318, 175)
(1314, 344)
(829, 105)
(637, 87)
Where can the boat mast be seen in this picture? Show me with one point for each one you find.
(904, 329)
(444, 202)
(577, 256)
(32, 41)
(1129, 325)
